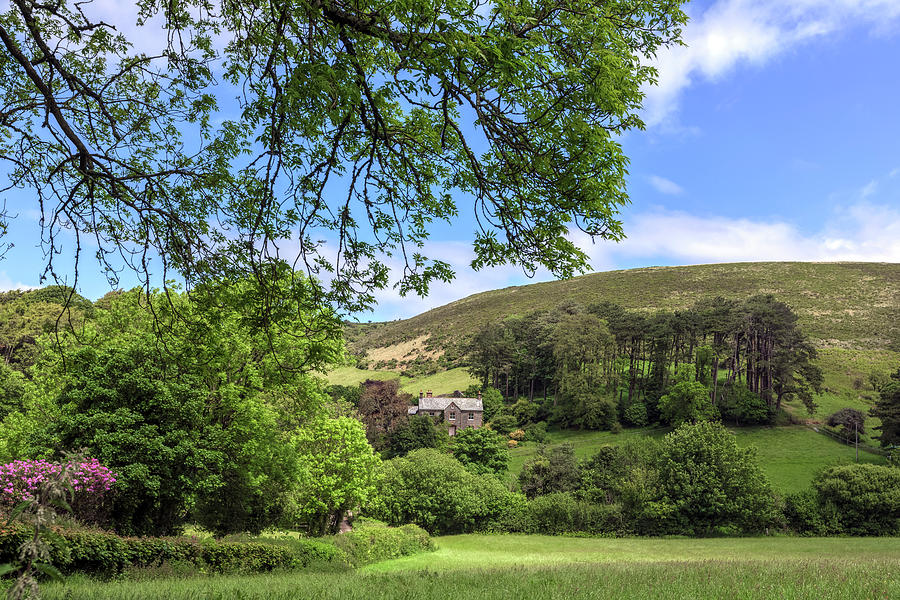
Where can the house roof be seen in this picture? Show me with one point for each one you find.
(441, 403)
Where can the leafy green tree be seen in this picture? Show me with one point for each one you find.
(491, 400)
(12, 390)
(602, 473)
(337, 469)
(419, 431)
(865, 497)
(887, 408)
(708, 484)
(636, 415)
(850, 420)
(687, 402)
(355, 123)
(436, 492)
(226, 403)
(482, 449)
(584, 405)
(739, 404)
(135, 416)
(525, 411)
(605, 474)
(504, 424)
(552, 470)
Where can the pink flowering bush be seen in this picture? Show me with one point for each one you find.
(91, 481)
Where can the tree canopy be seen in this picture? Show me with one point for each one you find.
(325, 135)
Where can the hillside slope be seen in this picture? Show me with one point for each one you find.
(853, 306)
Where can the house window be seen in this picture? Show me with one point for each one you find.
(471, 416)
(452, 415)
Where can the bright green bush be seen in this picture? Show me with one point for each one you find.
(740, 406)
(551, 470)
(504, 424)
(436, 492)
(561, 512)
(337, 467)
(865, 497)
(804, 514)
(536, 432)
(106, 554)
(709, 485)
(482, 450)
(636, 415)
(687, 402)
(373, 541)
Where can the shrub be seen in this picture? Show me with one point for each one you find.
(687, 402)
(106, 554)
(865, 497)
(553, 470)
(561, 512)
(708, 482)
(19, 480)
(91, 481)
(512, 443)
(804, 514)
(504, 424)
(482, 450)
(742, 406)
(518, 435)
(436, 492)
(373, 541)
(553, 513)
(636, 415)
(536, 432)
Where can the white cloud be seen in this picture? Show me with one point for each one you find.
(868, 189)
(7, 284)
(731, 33)
(665, 186)
(858, 232)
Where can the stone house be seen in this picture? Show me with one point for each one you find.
(458, 413)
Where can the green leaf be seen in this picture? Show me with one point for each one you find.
(6, 568)
(49, 570)
(19, 509)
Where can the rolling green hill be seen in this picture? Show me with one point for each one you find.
(850, 309)
(840, 305)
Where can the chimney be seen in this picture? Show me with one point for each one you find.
(429, 393)
(420, 394)
(479, 394)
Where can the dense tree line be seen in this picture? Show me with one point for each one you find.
(603, 362)
(222, 424)
(695, 480)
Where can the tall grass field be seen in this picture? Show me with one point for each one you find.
(515, 566)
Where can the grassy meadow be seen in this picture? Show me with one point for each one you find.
(444, 382)
(519, 566)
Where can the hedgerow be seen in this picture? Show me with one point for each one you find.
(106, 554)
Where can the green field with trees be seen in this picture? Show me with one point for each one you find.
(258, 179)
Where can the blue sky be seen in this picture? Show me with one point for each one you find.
(774, 135)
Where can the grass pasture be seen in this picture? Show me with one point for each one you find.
(539, 567)
(442, 383)
(790, 456)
